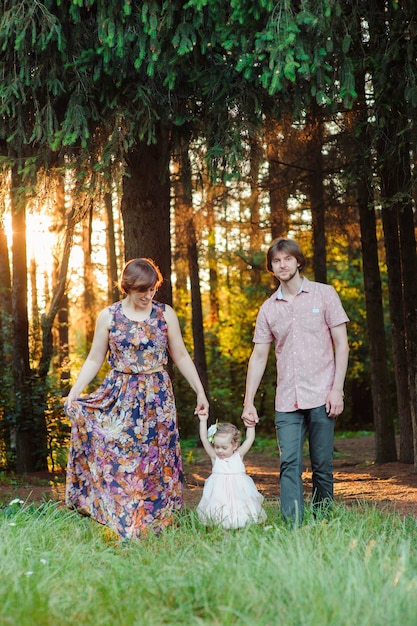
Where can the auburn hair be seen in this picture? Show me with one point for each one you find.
(140, 275)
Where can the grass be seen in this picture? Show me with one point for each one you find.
(359, 568)
(349, 434)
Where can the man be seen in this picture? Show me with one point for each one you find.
(307, 323)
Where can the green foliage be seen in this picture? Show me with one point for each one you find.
(84, 66)
(298, 44)
(59, 431)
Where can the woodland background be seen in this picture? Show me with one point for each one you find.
(194, 133)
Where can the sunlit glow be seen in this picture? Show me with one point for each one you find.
(44, 247)
(39, 239)
(40, 244)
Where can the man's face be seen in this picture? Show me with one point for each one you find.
(284, 266)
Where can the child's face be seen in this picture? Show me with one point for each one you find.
(223, 446)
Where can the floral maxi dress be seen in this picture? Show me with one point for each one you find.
(124, 466)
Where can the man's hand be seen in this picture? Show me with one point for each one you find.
(334, 403)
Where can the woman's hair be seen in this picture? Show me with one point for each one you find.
(289, 246)
(224, 428)
(140, 275)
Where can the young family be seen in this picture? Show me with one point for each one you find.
(124, 466)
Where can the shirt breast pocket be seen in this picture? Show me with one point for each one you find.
(312, 320)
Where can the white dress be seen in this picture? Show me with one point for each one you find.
(230, 497)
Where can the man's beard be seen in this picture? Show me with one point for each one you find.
(287, 280)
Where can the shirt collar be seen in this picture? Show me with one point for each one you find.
(303, 287)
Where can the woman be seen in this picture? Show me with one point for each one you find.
(124, 467)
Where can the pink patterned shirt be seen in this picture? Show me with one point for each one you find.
(303, 343)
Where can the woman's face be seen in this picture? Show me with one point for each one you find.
(224, 447)
(141, 298)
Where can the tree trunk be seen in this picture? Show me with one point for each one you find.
(182, 299)
(213, 319)
(63, 347)
(197, 316)
(113, 290)
(394, 169)
(48, 319)
(279, 177)
(409, 277)
(314, 165)
(385, 446)
(58, 292)
(89, 282)
(383, 416)
(63, 310)
(184, 213)
(256, 235)
(36, 342)
(6, 351)
(145, 207)
(31, 432)
(401, 264)
(392, 251)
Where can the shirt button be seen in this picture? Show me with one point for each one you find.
(296, 405)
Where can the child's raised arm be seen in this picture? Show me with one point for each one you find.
(247, 444)
(204, 437)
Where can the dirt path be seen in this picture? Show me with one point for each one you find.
(357, 478)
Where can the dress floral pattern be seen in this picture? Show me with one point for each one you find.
(124, 466)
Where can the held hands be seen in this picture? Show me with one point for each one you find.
(202, 408)
(250, 416)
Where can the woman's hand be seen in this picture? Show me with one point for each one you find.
(202, 407)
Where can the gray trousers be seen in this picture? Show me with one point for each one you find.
(291, 431)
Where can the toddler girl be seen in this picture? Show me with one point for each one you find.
(230, 497)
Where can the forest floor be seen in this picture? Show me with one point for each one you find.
(391, 486)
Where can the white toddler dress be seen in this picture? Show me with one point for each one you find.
(230, 497)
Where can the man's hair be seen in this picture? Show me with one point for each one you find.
(289, 246)
(225, 428)
(140, 275)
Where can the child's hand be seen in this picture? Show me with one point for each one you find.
(250, 415)
(203, 415)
